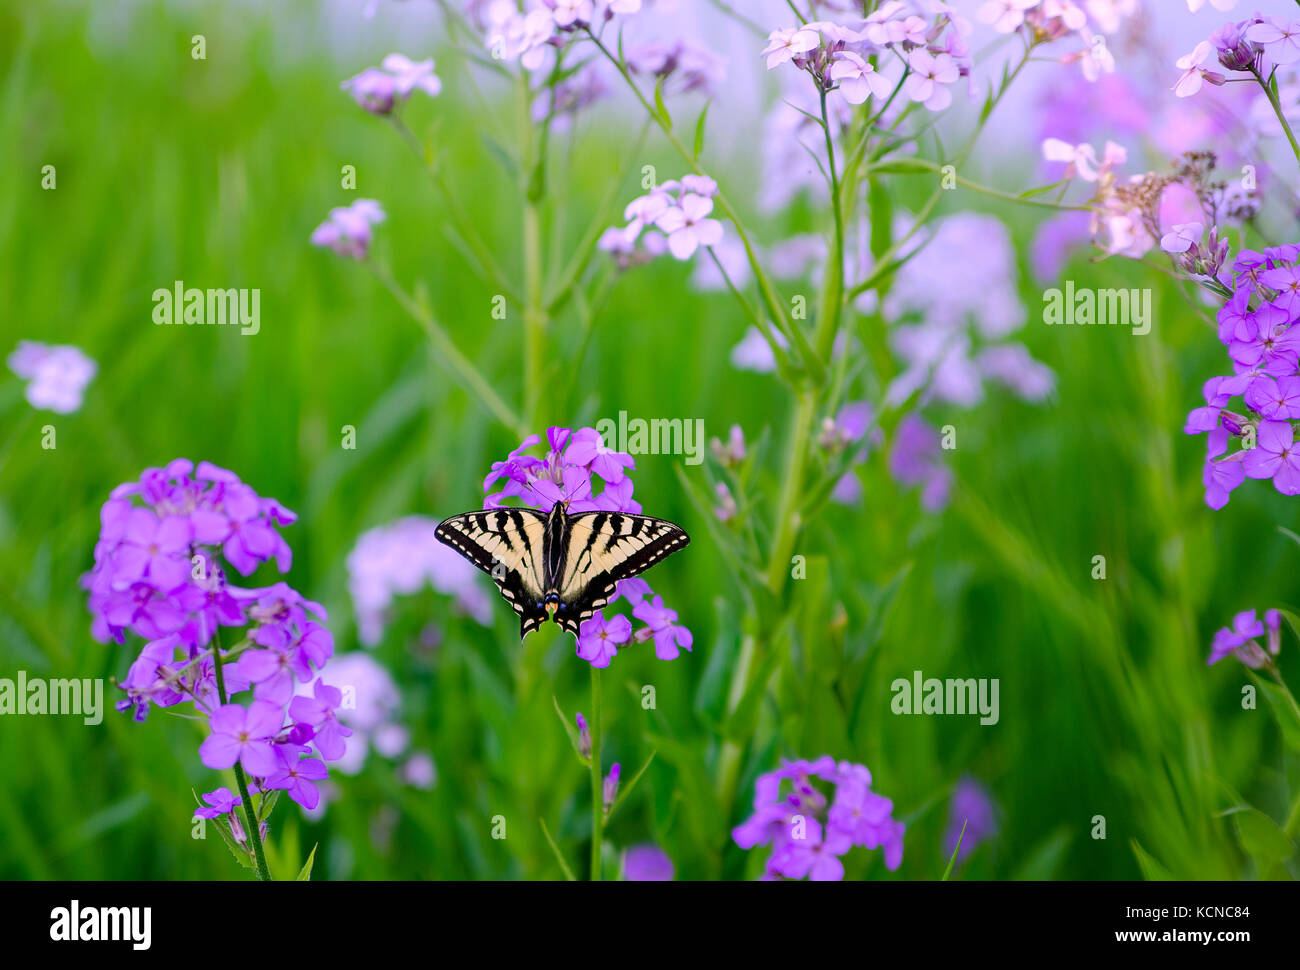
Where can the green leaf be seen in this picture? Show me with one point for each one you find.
(304, 874)
(904, 166)
(627, 789)
(1040, 189)
(1285, 711)
(955, 849)
(740, 725)
(881, 213)
(660, 106)
(1152, 870)
(570, 728)
(564, 866)
(1261, 837)
(238, 851)
(699, 129)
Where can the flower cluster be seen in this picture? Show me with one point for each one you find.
(402, 558)
(1045, 21)
(1241, 639)
(1256, 327)
(545, 25)
(160, 572)
(672, 216)
(57, 375)
(809, 829)
(380, 90)
(683, 66)
(374, 703)
(926, 36)
(565, 475)
(1254, 46)
(960, 341)
(347, 229)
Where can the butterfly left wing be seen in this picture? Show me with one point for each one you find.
(603, 548)
(507, 544)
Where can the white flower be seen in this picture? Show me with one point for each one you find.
(1193, 73)
(688, 227)
(785, 43)
(1082, 159)
(929, 73)
(1279, 38)
(410, 75)
(1005, 15)
(57, 375)
(857, 79)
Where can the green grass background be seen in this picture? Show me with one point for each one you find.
(215, 172)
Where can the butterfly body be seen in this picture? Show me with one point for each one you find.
(559, 566)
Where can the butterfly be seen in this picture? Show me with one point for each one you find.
(559, 566)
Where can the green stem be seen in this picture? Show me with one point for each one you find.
(811, 362)
(1277, 110)
(828, 315)
(461, 365)
(787, 517)
(929, 166)
(251, 825)
(535, 318)
(460, 218)
(597, 782)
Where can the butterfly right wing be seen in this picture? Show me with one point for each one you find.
(507, 544)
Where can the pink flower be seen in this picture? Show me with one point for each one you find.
(1182, 237)
(688, 226)
(929, 73)
(1193, 73)
(784, 43)
(1279, 38)
(858, 80)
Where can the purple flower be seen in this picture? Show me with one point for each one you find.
(598, 640)
(320, 712)
(297, 775)
(243, 735)
(1274, 456)
(380, 89)
(1239, 639)
(586, 447)
(347, 229)
(807, 830)
(647, 863)
(972, 808)
(609, 791)
(584, 736)
(1221, 475)
(574, 459)
(220, 802)
(662, 626)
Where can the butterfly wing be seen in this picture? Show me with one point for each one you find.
(507, 544)
(603, 548)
